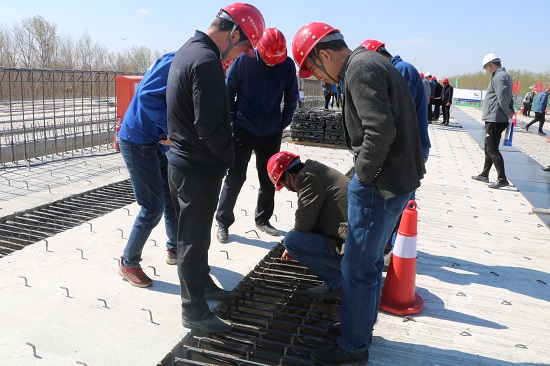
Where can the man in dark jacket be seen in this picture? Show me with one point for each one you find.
(321, 211)
(528, 102)
(382, 132)
(497, 109)
(438, 91)
(202, 150)
(255, 87)
(446, 101)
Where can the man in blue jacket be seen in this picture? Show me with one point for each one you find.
(143, 145)
(255, 88)
(540, 110)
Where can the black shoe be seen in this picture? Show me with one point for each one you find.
(334, 355)
(220, 295)
(527, 128)
(267, 228)
(336, 329)
(210, 323)
(499, 184)
(547, 169)
(324, 291)
(222, 235)
(480, 178)
(542, 133)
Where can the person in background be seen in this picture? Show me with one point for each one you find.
(202, 150)
(428, 90)
(315, 241)
(446, 101)
(528, 102)
(301, 92)
(497, 109)
(327, 92)
(143, 146)
(256, 86)
(438, 91)
(382, 132)
(540, 111)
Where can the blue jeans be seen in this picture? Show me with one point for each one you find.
(371, 219)
(311, 250)
(147, 166)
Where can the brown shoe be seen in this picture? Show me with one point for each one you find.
(134, 275)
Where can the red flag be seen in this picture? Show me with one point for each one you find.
(516, 87)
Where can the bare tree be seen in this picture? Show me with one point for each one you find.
(7, 53)
(23, 44)
(45, 41)
(66, 54)
(84, 51)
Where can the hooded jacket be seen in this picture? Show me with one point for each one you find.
(498, 99)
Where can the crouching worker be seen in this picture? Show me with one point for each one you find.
(322, 208)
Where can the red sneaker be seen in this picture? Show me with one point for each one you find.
(134, 275)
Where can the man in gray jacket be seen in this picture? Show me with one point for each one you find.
(382, 131)
(497, 110)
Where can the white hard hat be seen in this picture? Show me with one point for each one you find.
(490, 57)
(427, 74)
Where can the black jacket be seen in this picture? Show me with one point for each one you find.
(447, 95)
(198, 111)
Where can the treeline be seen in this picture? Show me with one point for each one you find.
(480, 80)
(36, 43)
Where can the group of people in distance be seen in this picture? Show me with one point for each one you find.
(194, 122)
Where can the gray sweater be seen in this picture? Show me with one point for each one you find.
(497, 105)
(380, 125)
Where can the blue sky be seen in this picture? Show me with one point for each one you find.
(443, 37)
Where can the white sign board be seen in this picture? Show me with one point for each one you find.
(472, 95)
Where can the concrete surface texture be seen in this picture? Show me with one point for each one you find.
(482, 267)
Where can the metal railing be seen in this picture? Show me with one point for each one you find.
(45, 114)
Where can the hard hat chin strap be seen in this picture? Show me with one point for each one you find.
(322, 66)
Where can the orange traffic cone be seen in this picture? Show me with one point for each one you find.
(398, 294)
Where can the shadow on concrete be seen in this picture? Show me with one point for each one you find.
(435, 308)
(387, 352)
(251, 239)
(520, 280)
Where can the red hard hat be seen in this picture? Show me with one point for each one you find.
(249, 18)
(305, 40)
(277, 165)
(372, 45)
(421, 75)
(272, 46)
(445, 80)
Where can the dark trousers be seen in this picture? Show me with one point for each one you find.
(492, 154)
(527, 109)
(446, 113)
(264, 147)
(327, 100)
(437, 106)
(430, 110)
(194, 189)
(540, 118)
